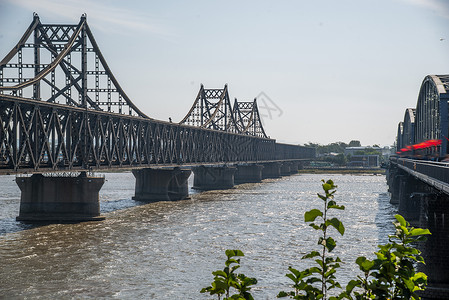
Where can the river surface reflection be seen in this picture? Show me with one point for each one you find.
(167, 250)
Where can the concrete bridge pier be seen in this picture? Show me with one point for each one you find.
(409, 197)
(213, 178)
(248, 173)
(59, 198)
(161, 184)
(435, 217)
(395, 188)
(392, 182)
(271, 170)
(286, 168)
(294, 167)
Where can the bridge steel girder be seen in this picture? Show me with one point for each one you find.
(41, 136)
(431, 121)
(408, 131)
(433, 174)
(248, 118)
(400, 136)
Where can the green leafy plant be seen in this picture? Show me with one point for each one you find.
(392, 274)
(315, 282)
(226, 279)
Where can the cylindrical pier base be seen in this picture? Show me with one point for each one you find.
(248, 173)
(213, 178)
(161, 184)
(286, 168)
(59, 198)
(434, 212)
(271, 170)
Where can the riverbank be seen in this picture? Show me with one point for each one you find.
(375, 171)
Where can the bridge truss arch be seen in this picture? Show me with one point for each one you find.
(248, 118)
(408, 131)
(400, 136)
(431, 122)
(212, 109)
(62, 64)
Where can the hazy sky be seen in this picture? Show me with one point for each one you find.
(328, 70)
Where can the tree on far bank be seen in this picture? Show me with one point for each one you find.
(354, 143)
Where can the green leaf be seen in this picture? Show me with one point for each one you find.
(328, 185)
(340, 207)
(311, 254)
(419, 231)
(324, 198)
(364, 264)
(314, 226)
(330, 244)
(220, 273)
(283, 294)
(401, 220)
(337, 224)
(351, 285)
(231, 253)
(311, 215)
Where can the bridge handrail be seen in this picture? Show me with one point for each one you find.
(435, 170)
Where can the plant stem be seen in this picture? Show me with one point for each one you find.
(323, 278)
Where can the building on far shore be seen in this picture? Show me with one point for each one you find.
(365, 161)
(367, 157)
(385, 151)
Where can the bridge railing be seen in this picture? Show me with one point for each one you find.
(287, 151)
(434, 170)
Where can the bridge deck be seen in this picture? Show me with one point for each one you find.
(435, 174)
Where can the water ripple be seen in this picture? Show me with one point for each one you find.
(167, 250)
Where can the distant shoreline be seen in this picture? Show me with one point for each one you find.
(330, 170)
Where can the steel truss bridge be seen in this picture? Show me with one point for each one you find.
(429, 121)
(418, 178)
(61, 109)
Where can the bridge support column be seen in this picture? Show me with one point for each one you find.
(434, 216)
(59, 198)
(248, 173)
(271, 170)
(409, 199)
(395, 188)
(213, 178)
(393, 183)
(161, 184)
(294, 167)
(286, 168)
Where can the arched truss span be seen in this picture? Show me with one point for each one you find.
(431, 121)
(399, 136)
(248, 118)
(63, 64)
(408, 134)
(212, 110)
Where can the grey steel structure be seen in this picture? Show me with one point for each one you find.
(62, 109)
(429, 121)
